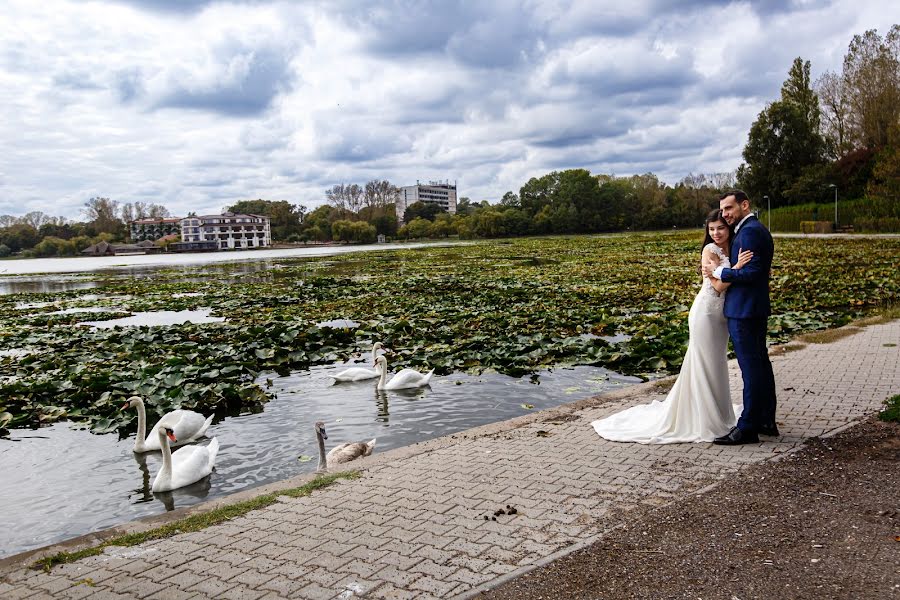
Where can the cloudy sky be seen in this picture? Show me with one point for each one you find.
(195, 104)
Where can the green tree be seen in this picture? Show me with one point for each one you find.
(341, 231)
(103, 215)
(362, 232)
(797, 90)
(19, 237)
(510, 200)
(320, 219)
(871, 77)
(785, 139)
(515, 222)
(885, 182)
(422, 210)
(464, 206)
(418, 228)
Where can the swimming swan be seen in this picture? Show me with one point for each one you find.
(405, 379)
(184, 467)
(187, 425)
(360, 373)
(339, 454)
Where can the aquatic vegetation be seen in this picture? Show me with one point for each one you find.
(514, 306)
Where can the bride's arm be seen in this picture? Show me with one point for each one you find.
(711, 261)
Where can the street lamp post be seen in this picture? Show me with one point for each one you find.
(831, 185)
(768, 211)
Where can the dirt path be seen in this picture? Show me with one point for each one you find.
(822, 523)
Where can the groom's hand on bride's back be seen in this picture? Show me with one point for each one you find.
(744, 257)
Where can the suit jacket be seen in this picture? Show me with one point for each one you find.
(748, 296)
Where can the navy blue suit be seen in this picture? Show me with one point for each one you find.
(747, 309)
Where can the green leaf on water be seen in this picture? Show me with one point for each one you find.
(527, 406)
(304, 458)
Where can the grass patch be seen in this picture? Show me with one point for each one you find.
(882, 315)
(892, 410)
(829, 335)
(195, 522)
(663, 385)
(786, 348)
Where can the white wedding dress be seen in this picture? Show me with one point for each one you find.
(698, 407)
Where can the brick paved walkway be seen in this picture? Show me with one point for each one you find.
(413, 526)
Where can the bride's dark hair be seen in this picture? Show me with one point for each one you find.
(712, 217)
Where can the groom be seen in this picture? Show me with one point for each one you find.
(747, 309)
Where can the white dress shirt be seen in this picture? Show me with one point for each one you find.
(718, 272)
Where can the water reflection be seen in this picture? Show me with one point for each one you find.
(159, 317)
(74, 482)
(186, 496)
(144, 491)
(42, 285)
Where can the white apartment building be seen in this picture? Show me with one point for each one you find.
(228, 230)
(435, 192)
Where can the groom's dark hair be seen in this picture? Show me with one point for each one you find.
(739, 195)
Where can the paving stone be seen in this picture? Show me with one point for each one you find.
(172, 593)
(184, 580)
(241, 592)
(212, 587)
(253, 578)
(314, 591)
(283, 585)
(75, 592)
(52, 584)
(413, 527)
(391, 592)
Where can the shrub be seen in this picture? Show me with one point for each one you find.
(816, 227)
(892, 410)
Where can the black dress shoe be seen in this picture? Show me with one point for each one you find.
(771, 429)
(735, 437)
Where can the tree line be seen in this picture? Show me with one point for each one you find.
(840, 133)
(38, 234)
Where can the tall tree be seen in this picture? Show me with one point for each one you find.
(378, 193)
(872, 77)
(797, 89)
(784, 141)
(835, 127)
(35, 218)
(345, 196)
(158, 211)
(103, 214)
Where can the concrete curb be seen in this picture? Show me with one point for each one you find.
(27, 558)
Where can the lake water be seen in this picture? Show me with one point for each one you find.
(84, 264)
(60, 482)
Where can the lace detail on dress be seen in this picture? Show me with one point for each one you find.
(724, 261)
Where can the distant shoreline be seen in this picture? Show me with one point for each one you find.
(89, 264)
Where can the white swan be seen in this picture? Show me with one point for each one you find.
(405, 379)
(187, 425)
(339, 454)
(184, 467)
(360, 373)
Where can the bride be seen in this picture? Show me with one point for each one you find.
(698, 407)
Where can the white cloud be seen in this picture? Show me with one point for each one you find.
(197, 104)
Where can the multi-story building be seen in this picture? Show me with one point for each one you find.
(153, 229)
(228, 230)
(435, 192)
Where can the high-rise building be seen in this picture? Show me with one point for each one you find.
(435, 192)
